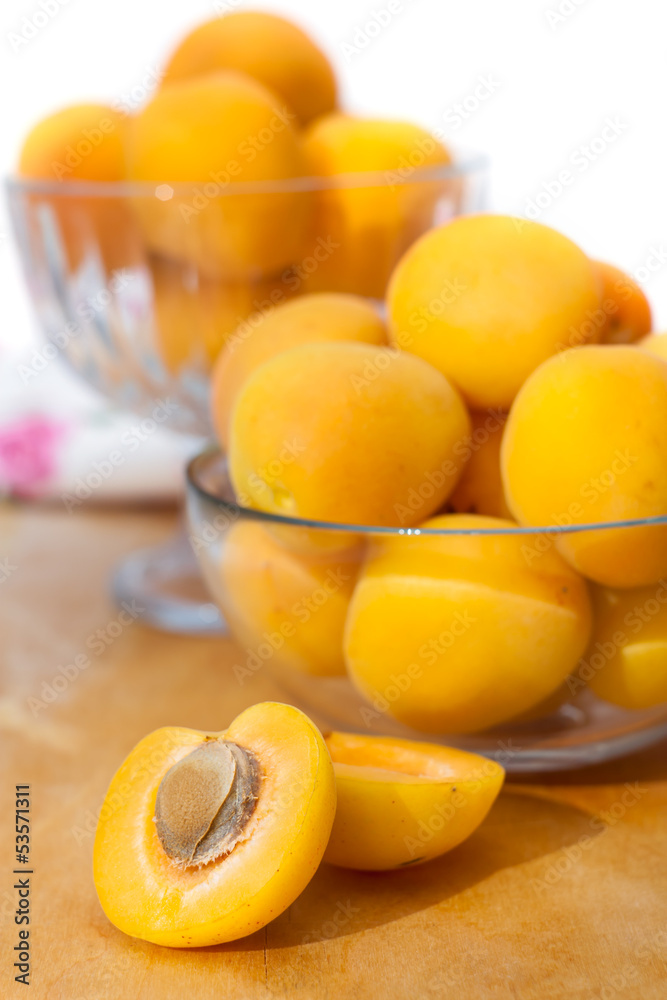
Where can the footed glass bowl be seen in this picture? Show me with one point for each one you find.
(138, 286)
(506, 634)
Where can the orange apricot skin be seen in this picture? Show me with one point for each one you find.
(196, 135)
(627, 309)
(265, 589)
(487, 298)
(270, 49)
(358, 435)
(145, 895)
(307, 319)
(584, 444)
(480, 489)
(371, 224)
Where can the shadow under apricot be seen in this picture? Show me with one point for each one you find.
(338, 902)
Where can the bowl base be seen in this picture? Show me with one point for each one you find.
(166, 582)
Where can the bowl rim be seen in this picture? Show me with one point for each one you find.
(236, 511)
(462, 165)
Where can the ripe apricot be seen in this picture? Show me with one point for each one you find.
(195, 314)
(402, 803)
(347, 432)
(585, 443)
(655, 344)
(282, 606)
(480, 489)
(206, 837)
(627, 309)
(460, 629)
(308, 319)
(84, 143)
(206, 135)
(270, 49)
(369, 222)
(487, 298)
(627, 658)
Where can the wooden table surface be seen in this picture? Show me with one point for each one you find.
(561, 893)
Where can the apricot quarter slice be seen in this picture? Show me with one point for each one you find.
(402, 803)
(206, 837)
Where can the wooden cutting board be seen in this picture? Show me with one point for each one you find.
(561, 894)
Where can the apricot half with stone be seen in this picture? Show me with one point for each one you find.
(402, 803)
(206, 837)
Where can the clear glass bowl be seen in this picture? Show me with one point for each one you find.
(284, 585)
(137, 286)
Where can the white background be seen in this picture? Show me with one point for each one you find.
(559, 70)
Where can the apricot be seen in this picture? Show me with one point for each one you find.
(370, 221)
(461, 631)
(206, 135)
(308, 319)
(206, 837)
(627, 660)
(585, 444)
(79, 143)
(195, 315)
(345, 432)
(402, 803)
(627, 309)
(487, 298)
(283, 606)
(480, 489)
(83, 143)
(270, 49)
(655, 344)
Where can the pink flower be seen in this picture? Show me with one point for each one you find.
(28, 454)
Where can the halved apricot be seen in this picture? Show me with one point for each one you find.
(206, 837)
(402, 803)
(626, 662)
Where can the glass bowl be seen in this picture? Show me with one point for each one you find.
(284, 586)
(137, 287)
